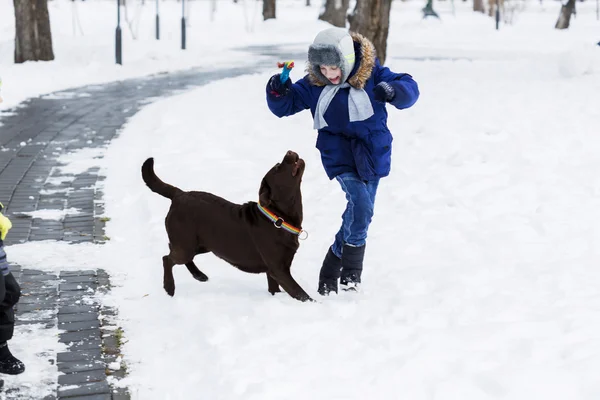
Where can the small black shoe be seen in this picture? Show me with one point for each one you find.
(11, 366)
(329, 274)
(350, 284)
(325, 288)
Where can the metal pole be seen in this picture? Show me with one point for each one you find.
(497, 14)
(183, 24)
(157, 22)
(118, 44)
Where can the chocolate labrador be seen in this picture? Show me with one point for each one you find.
(254, 237)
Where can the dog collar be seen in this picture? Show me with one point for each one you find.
(279, 222)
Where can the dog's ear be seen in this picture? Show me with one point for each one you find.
(264, 194)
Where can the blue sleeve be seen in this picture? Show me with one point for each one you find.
(298, 98)
(407, 90)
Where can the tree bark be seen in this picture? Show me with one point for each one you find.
(478, 6)
(335, 12)
(269, 9)
(564, 18)
(33, 39)
(492, 7)
(371, 18)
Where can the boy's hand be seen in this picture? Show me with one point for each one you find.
(383, 92)
(277, 88)
(5, 224)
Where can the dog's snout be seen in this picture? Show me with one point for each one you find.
(291, 156)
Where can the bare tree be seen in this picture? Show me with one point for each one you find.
(335, 12)
(371, 18)
(269, 9)
(478, 6)
(565, 15)
(492, 7)
(33, 39)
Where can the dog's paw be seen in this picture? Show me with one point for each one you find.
(273, 291)
(170, 289)
(201, 277)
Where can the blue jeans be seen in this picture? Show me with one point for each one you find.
(359, 211)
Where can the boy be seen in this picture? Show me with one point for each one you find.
(346, 90)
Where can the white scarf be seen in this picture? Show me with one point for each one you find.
(359, 104)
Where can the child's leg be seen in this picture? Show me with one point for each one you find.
(10, 292)
(359, 211)
(352, 236)
(338, 243)
(9, 364)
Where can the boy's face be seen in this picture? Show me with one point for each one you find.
(333, 73)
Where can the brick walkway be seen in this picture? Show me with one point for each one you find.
(32, 138)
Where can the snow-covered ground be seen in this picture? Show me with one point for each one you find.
(481, 279)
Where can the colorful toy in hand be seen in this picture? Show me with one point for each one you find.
(287, 67)
(5, 224)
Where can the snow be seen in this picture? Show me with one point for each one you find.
(481, 277)
(56, 215)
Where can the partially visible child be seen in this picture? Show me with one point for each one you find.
(10, 292)
(346, 90)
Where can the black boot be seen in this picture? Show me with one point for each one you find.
(352, 266)
(8, 363)
(330, 273)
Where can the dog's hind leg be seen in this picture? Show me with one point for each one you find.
(177, 256)
(168, 280)
(196, 273)
(289, 284)
(273, 285)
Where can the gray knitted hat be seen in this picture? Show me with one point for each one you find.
(333, 46)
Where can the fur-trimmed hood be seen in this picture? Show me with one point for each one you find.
(365, 62)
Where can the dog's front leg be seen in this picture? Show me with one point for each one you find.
(168, 280)
(289, 284)
(273, 285)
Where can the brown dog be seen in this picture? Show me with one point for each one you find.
(254, 237)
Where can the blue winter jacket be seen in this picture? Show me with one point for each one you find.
(363, 147)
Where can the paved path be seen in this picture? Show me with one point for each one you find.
(32, 138)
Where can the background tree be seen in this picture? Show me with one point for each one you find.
(565, 15)
(371, 18)
(269, 9)
(33, 39)
(335, 12)
(478, 6)
(492, 7)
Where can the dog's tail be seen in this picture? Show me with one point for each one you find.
(154, 182)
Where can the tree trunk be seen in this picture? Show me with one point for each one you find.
(371, 18)
(33, 39)
(478, 6)
(268, 9)
(492, 7)
(335, 12)
(565, 15)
